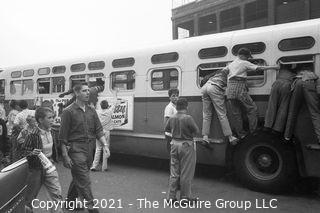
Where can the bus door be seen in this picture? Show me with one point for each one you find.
(304, 133)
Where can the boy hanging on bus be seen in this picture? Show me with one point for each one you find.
(237, 91)
(305, 86)
(183, 153)
(213, 96)
(170, 111)
(277, 111)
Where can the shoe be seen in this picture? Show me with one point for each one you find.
(94, 169)
(206, 139)
(105, 170)
(233, 140)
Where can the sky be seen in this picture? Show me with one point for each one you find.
(36, 31)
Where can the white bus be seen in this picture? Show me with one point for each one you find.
(142, 78)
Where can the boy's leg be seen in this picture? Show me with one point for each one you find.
(174, 171)
(206, 110)
(252, 110)
(34, 180)
(188, 165)
(271, 112)
(104, 158)
(52, 184)
(96, 156)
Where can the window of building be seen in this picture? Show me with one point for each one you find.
(185, 29)
(44, 71)
(123, 80)
(213, 52)
(164, 79)
(255, 48)
(28, 73)
(299, 43)
(314, 9)
(164, 58)
(2, 83)
(58, 84)
(44, 85)
(16, 87)
(27, 87)
(16, 74)
(289, 11)
(123, 62)
(208, 24)
(208, 68)
(58, 69)
(96, 65)
(230, 19)
(256, 13)
(78, 67)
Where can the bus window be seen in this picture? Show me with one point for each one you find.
(78, 67)
(205, 69)
(96, 65)
(2, 87)
(58, 69)
(300, 43)
(77, 79)
(15, 87)
(164, 79)
(255, 48)
(256, 78)
(16, 74)
(27, 86)
(44, 71)
(213, 52)
(58, 84)
(96, 79)
(44, 85)
(165, 58)
(123, 80)
(123, 62)
(28, 73)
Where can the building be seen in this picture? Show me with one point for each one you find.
(201, 17)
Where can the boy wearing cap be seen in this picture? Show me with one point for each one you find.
(237, 90)
(183, 153)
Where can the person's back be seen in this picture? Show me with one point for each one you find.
(182, 126)
(183, 152)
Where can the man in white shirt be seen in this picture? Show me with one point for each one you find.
(237, 90)
(169, 111)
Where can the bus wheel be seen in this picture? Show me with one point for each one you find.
(264, 163)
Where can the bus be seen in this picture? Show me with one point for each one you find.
(141, 78)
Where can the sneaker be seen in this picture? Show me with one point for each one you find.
(206, 139)
(94, 169)
(233, 140)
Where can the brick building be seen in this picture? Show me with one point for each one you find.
(201, 17)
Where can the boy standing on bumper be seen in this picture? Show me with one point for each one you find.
(183, 152)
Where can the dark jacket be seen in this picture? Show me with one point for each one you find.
(33, 141)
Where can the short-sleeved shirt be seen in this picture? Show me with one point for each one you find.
(239, 68)
(80, 126)
(169, 111)
(181, 126)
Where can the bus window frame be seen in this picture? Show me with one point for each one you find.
(163, 69)
(21, 88)
(295, 49)
(44, 68)
(25, 72)
(123, 71)
(51, 86)
(23, 92)
(198, 69)
(42, 80)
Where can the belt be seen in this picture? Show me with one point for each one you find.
(236, 78)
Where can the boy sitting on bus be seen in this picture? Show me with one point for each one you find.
(170, 111)
(183, 152)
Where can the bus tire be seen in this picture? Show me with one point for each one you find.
(264, 163)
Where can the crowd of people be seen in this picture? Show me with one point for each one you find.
(84, 131)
